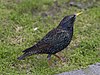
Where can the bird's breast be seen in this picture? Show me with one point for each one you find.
(64, 43)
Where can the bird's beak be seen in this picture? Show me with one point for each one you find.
(78, 13)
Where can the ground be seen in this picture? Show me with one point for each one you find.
(24, 22)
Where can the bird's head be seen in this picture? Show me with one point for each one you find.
(68, 21)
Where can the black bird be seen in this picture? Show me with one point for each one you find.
(55, 40)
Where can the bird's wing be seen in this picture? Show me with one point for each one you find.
(55, 36)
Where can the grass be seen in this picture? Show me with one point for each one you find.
(19, 18)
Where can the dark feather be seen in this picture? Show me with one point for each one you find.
(23, 56)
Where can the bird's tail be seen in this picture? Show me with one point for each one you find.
(28, 52)
(23, 56)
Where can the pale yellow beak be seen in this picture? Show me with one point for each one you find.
(78, 13)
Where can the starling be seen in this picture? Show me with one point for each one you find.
(55, 40)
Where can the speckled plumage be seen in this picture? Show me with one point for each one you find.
(55, 40)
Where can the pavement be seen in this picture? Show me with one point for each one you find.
(91, 70)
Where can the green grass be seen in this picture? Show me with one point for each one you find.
(18, 18)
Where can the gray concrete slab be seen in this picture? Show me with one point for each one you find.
(91, 70)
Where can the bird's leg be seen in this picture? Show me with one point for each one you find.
(59, 57)
(49, 59)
